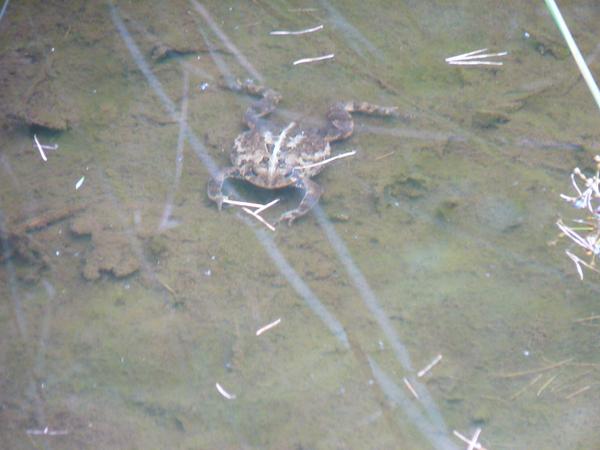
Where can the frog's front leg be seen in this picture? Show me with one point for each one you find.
(312, 192)
(215, 185)
(341, 124)
(261, 108)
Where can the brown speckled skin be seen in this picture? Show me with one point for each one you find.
(272, 157)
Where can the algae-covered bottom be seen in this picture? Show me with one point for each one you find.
(124, 302)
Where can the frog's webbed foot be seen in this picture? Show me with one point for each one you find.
(312, 192)
(266, 105)
(214, 189)
(341, 124)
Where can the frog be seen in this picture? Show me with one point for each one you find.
(271, 156)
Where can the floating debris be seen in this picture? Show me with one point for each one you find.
(473, 442)
(259, 218)
(40, 148)
(224, 393)
(238, 203)
(430, 366)
(475, 58)
(268, 205)
(79, 183)
(47, 432)
(259, 208)
(296, 33)
(268, 327)
(309, 60)
(410, 388)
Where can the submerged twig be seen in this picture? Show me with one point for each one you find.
(430, 366)
(40, 148)
(259, 218)
(296, 33)
(268, 327)
(577, 392)
(224, 393)
(527, 386)
(309, 60)
(410, 388)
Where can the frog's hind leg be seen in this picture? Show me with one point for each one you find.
(214, 188)
(341, 124)
(266, 105)
(312, 193)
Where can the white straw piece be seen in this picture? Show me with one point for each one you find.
(47, 432)
(224, 393)
(410, 388)
(259, 218)
(476, 58)
(79, 183)
(295, 33)
(238, 203)
(48, 147)
(328, 160)
(474, 440)
(268, 327)
(466, 440)
(430, 366)
(268, 205)
(309, 60)
(578, 262)
(485, 55)
(466, 55)
(39, 146)
(476, 63)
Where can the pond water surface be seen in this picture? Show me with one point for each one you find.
(126, 296)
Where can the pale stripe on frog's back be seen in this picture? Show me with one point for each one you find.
(274, 158)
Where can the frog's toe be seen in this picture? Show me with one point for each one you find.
(216, 196)
(288, 217)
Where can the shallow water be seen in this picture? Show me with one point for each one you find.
(438, 237)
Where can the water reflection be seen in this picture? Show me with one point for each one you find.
(121, 317)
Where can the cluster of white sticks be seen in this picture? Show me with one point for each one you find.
(256, 212)
(586, 234)
(476, 58)
(297, 33)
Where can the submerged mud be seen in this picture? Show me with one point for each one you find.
(438, 237)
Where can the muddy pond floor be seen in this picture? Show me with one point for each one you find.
(129, 304)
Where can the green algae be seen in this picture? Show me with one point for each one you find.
(451, 231)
